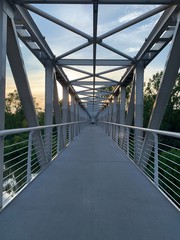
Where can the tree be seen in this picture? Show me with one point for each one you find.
(14, 113)
(168, 156)
(169, 172)
(16, 146)
(171, 120)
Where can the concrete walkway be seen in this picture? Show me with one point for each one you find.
(92, 192)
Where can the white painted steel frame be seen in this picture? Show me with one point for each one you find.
(100, 1)
(98, 99)
(94, 40)
(3, 44)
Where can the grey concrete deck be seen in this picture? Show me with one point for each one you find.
(92, 192)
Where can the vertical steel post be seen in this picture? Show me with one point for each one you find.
(122, 112)
(167, 83)
(78, 117)
(58, 139)
(130, 111)
(138, 114)
(65, 110)
(56, 105)
(29, 157)
(3, 44)
(156, 161)
(111, 117)
(20, 76)
(75, 118)
(72, 116)
(122, 105)
(114, 117)
(49, 90)
(108, 120)
(127, 143)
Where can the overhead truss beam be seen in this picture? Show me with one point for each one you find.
(95, 81)
(100, 1)
(89, 62)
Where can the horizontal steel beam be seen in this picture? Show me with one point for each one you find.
(100, 1)
(81, 83)
(89, 62)
(73, 50)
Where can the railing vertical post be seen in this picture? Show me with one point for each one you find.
(79, 124)
(29, 157)
(156, 162)
(138, 111)
(48, 114)
(58, 139)
(65, 106)
(3, 47)
(117, 135)
(1, 169)
(69, 133)
(107, 127)
(127, 143)
(112, 131)
(108, 130)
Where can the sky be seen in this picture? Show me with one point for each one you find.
(61, 40)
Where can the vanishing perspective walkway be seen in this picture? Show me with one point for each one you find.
(91, 192)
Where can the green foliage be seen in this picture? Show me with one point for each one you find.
(16, 146)
(169, 172)
(15, 157)
(171, 120)
(14, 114)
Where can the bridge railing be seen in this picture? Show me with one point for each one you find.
(156, 153)
(27, 151)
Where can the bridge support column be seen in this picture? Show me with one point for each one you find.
(74, 109)
(167, 83)
(57, 115)
(20, 76)
(72, 115)
(110, 113)
(130, 112)
(122, 105)
(49, 90)
(122, 112)
(114, 110)
(139, 105)
(3, 43)
(114, 117)
(56, 106)
(65, 107)
(78, 117)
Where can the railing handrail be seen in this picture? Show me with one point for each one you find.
(167, 133)
(6, 132)
(156, 157)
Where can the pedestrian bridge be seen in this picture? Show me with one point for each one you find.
(92, 190)
(92, 171)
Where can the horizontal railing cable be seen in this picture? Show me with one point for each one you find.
(157, 156)
(24, 155)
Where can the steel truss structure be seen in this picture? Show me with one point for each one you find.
(94, 95)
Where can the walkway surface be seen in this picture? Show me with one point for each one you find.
(92, 192)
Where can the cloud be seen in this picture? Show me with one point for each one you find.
(132, 49)
(80, 16)
(129, 16)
